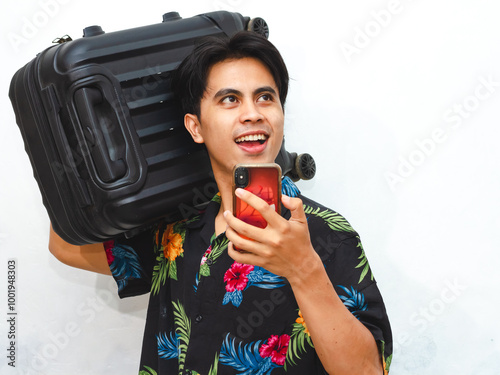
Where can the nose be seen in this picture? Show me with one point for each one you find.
(250, 113)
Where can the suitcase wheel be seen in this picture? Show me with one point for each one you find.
(305, 167)
(259, 26)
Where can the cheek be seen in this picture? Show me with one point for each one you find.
(213, 126)
(278, 121)
(278, 125)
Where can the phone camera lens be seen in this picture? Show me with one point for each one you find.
(241, 177)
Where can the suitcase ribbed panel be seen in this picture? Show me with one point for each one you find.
(166, 145)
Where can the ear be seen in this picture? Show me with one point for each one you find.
(193, 126)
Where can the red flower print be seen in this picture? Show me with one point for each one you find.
(108, 246)
(236, 277)
(276, 348)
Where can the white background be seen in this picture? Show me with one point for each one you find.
(390, 97)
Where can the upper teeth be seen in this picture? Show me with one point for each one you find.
(253, 137)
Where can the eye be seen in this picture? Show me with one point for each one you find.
(229, 99)
(265, 98)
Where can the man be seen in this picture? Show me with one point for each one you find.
(299, 297)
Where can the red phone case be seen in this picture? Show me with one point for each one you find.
(264, 180)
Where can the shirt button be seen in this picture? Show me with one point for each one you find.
(163, 312)
(209, 262)
(198, 318)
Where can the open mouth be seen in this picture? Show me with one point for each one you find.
(254, 138)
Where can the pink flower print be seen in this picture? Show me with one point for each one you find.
(236, 277)
(276, 348)
(205, 256)
(108, 246)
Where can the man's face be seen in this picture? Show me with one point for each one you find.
(241, 118)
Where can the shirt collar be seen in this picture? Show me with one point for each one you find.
(205, 220)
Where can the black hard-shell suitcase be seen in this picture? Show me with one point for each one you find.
(104, 136)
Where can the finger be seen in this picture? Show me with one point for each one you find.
(296, 208)
(241, 243)
(240, 227)
(267, 211)
(242, 256)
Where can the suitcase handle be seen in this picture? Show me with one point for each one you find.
(103, 134)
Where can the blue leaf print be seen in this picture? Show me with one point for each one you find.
(245, 358)
(196, 282)
(288, 187)
(354, 300)
(235, 298)
(168, 347)
(125, 265)
(262, 278)
(256, 275)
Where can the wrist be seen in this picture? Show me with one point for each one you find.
(308, 273)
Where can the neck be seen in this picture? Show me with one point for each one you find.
(224, 183)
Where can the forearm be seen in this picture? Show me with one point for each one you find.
(343, 344)
(88, 257)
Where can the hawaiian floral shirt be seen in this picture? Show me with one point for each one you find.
(211, 315)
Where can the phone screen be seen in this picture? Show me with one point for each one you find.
(263, 180)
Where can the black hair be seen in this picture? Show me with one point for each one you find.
(189, 80)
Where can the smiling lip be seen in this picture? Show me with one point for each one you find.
(253, 143)
(251, 138)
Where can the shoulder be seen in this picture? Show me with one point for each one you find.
(338, 245)
(324, 219)
(191, 219)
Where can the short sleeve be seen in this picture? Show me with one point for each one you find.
(131, 261)
(347, 266)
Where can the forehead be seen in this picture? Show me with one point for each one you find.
(241, 73)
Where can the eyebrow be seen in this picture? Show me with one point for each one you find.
(265, 89)
(227, 91)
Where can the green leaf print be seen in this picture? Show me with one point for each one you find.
(386, 361)
(160, 273)
(219, 245)
(217, 198)
(172, 271)
(180, 228)
(363, 263)
(334, 220)
(148, 371)
(297, 344)
(183, 330)
(204, 270)
(215, 366)
(168, 247)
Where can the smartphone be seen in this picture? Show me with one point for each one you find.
(263, 180)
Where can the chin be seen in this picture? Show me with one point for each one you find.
(258, 160)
